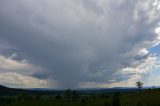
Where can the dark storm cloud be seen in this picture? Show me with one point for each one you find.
(78, 41)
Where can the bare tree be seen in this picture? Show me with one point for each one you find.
(139, 84)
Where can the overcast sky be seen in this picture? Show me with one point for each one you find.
(79, 43)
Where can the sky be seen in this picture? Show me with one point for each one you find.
(79, 43)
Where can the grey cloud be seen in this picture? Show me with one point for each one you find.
(72, 44)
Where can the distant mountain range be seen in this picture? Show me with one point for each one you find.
(80, 89)
(7, 90)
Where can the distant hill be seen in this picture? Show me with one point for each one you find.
(3, 87)
(7, 90)
(12, 91)
(83, 97)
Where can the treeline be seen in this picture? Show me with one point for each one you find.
(59, 98)
(69, 97)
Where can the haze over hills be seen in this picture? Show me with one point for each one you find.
(4, 89)
(126, 96)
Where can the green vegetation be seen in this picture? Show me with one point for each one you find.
(149, 97)
(139, 84)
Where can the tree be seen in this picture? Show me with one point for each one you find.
(75, 95)
(58, 97)
(139, 84)
(83, 101)
(68, 93)
(116, 100)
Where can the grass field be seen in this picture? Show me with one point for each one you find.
(150, 97)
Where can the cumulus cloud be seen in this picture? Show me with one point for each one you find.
(12, 79)
(18, 74)
(82, 41)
